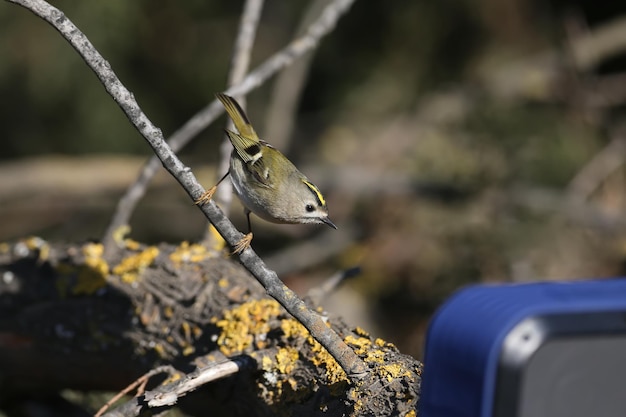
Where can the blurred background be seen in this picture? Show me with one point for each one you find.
(456, 141)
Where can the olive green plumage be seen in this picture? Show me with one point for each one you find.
(266, 182)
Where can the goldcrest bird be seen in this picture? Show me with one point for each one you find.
(266, 182)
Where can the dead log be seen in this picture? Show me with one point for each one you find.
(69, 319)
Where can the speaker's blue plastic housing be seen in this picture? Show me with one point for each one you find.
(465, 338)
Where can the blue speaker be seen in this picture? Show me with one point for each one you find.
(528, 350)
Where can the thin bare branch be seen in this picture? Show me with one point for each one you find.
(599, 44)
(243, 45)
(314, 251)
(595, 172)
(539, 76)
(574, 209)
(169, 394)
(240, 63)
(354, 367)
(288, 87)
(323, 25)
(192, 381)
(319, 293)
(140, 382)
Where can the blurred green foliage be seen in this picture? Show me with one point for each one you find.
(174, 57)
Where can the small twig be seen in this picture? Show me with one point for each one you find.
(599, 44)
(294, 50)
(312, 251)
(240, 63)
(142, 388)
(288, 87)
(574, 209)
(169, 394)
(242, 50)
(330, 285)
(537, 76)
(141, 381)
(591, 176)
(354, 367)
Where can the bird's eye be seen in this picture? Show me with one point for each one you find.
(309, 208)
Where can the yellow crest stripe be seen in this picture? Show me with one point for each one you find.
(316, 191)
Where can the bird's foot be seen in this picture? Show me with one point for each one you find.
(243, 244)
(207, 196)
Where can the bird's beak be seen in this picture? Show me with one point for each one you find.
(328, 222)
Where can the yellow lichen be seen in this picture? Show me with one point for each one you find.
(242, 325)
(286, 359)
(173, 378)
(267, 363)
(119, 236)
(381, 343)
(365, 348)
(279, 385)
(293, 384)
(189, 253)
(89, 280)
(92, 275)
(334, 372)
(321, 358)
(130, 268)
(85, 278)
(393, 371)
(44, 252)
(284, 362)
(357, 402)
(186, 330)
(375, 356)
(132, 244)
(37, 243)
(223, 283)
(196, 330)
(34, 242)
(129, 277)
(359, 331)
(92, 250)
(160, 350)
(293, 328)
(374, 353)
(361, 344)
